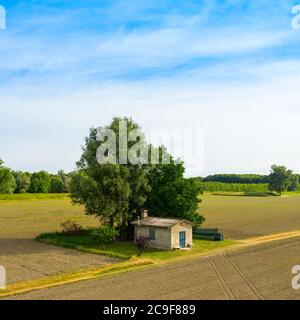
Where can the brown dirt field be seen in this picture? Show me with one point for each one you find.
(245, 217)
(26, 259)
(258, 272)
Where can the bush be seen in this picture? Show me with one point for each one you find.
(141, 243)
(104, 234)
(71, 228)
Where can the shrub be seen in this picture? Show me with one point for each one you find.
(104, 234)
(71, 228)
(142, 243)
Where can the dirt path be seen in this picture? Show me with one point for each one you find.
(270, 238)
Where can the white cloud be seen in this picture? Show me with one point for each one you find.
(248, 127)
(58, 79)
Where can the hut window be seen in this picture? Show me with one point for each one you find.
(152, 234)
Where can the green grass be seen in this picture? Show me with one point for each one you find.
(127, 250)
(291, 193)
(33, 196)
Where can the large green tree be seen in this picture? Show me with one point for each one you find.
(171, 194)
(115, 191)
(280, 179)
(118, 188)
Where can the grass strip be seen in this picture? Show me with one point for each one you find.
(33, 197)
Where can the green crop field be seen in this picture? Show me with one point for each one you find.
(244, 217)
(33, 197)
(27, 219)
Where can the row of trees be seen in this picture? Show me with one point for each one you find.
(237, 178)
(234, 187)
(279, 180)
(38, 182)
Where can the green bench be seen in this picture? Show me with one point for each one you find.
(208, 234)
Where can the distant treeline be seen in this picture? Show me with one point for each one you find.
(234, 187)
(237, 178)
(43, 182)
(37, 182)
(248, 183)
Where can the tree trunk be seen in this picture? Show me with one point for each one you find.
(111, 222)
(126, 231)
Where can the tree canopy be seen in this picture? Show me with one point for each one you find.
(117, 191)
(171, 194)
(40, 182)
(114, 192)
(280, 179)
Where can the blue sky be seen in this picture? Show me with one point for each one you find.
(229, 67)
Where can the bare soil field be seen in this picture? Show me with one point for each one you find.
(241, 217)
(259, 272)
(253, 273)
(26, 259)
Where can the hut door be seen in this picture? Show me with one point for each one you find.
(182, 239)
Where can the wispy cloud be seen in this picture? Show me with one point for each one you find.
(63, 42)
